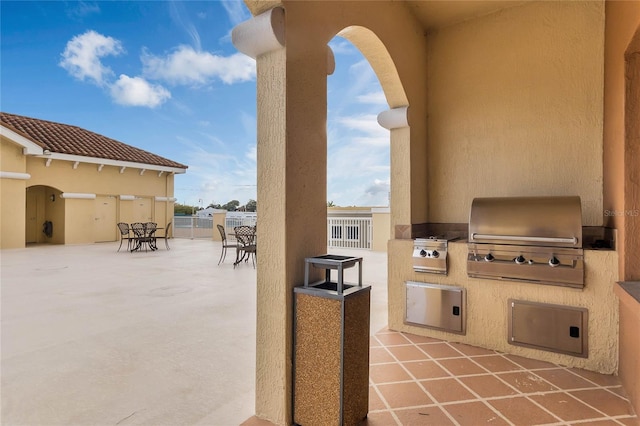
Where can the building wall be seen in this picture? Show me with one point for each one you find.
(13, 196)
(75, 220)
(515, 108)
(381, 226)
(622, 23)
(87, 179)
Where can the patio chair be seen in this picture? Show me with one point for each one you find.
(125, 234)
(246, 237)
(141, 237)
(225, 243)
(166, 235)
(150, 230)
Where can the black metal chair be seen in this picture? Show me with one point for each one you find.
(139, 236)
(150, 234)
(125, 234)
(166, 236)
(225, 243)
(246, 237)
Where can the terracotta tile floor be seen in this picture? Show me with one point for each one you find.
(418, 381)
(422, 381)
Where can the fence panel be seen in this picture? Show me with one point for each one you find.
(349, 232)
(342, 232)
(192, 227)
(234, 219)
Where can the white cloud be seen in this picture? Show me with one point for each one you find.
(379, 186)
(136, 91)
(365, 123)
(81, 57)
(78, 10)
(177, 12)
(374, 98)
(188, 66)
(236, 11)
(341, 46)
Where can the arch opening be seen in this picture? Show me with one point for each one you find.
(44, 221)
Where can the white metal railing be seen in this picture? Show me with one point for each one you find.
(192, 227)
(233, 219)
(342, 232)
(349, 232)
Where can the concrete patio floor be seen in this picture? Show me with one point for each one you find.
(91, 336)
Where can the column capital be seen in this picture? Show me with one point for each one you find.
(394, 118)
(261, 34)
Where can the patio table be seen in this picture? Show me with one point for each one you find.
(144, 237)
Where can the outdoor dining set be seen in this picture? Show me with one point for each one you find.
(142, 236)
(245, 244)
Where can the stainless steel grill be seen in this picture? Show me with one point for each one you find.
(530, 239)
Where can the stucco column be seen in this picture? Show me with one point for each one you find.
(292, 165)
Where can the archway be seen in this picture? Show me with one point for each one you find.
(44, 204)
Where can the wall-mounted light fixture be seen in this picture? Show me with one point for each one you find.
(52, 197)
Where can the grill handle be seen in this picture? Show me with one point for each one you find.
(572, 240)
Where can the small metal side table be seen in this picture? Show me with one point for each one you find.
(331, 346)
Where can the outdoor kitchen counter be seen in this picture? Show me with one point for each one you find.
(487, 304)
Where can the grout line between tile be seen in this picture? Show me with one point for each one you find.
(442, 405)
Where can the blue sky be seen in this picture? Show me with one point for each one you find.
(164, 76)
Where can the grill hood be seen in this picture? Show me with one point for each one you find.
(527, 221)
(529, 239)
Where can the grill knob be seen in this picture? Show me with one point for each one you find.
(435, 254)
(520, 260)
(423, 253)
(553, 262)
(489, 258)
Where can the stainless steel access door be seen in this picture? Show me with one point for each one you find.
(436, 306)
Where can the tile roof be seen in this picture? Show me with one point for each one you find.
(72, 140)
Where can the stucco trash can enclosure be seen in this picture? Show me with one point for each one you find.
(331, 346)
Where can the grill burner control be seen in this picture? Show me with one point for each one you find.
(429, 253)
(520, 260)
(553, 262)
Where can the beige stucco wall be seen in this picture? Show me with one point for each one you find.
(623, 21)
(12, 218)
(218, 219)
(74, 220)
(381, 229)
(487, 305)
(87, 179)
(515, 108)
(621, 152)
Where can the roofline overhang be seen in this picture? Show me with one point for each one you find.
(109, 162)
(28, 147)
